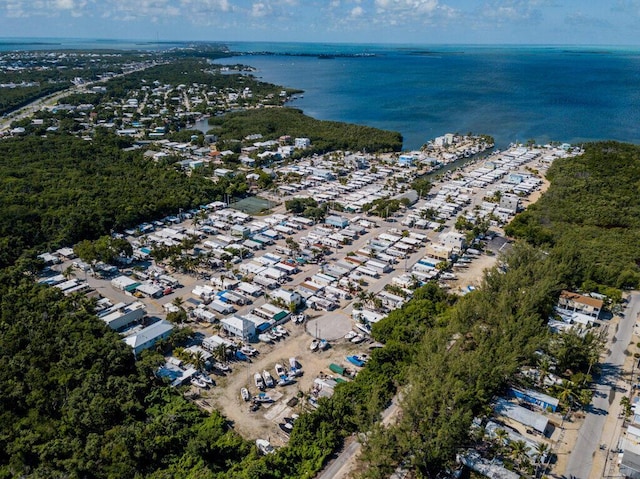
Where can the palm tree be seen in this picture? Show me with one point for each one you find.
(501, 439)
(220, 353)
(541, 451)
(181, 354)
(543, 366)
(567, 392)
(626, 407)
(68, 272)
(371, 298)
(518, 451)
(199, 217)
(197, 359)
(362, 295)
(584, 397)
(178, 302)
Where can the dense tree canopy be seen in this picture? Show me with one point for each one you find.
(62, 189)
(590, 215)
(325, 135)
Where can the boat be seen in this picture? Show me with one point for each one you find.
(265, 338)
(350, 335)
(264, 446)
(221, 367)
(248, 350)
(258, 381)
(357, 360)
(336, 368)
(286, 427)
(358, 338)
(314, 345)
(280, 370)
(241, 356)
(271, 336)
(282, 330)
(276, 333)
(244, 394)
(263, 397)
(206, 379)
(196, 381)
(324, 344)
(363, 328)
(295, 368)
(285, 381)
(268, 379)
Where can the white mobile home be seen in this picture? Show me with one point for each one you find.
(284, 229)
(273, 273)
(221, 307)
(378, 266)
(367, 272)
(286, 268)
(250, 289)
(233, 298)
(266, 282)
(302, 220)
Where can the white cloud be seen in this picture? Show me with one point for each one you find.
(64, 4)
(260, 10)
(119, 9)
(502, 11)
(396, 12)
(357, 12)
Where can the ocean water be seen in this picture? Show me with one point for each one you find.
(33, 44)
(567, 94)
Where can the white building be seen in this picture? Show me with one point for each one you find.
(453, 240)
(288, 296)
(149, 336)
(239, 327)
(122, 315)
(302, 143)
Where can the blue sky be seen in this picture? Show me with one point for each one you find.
(594, 22)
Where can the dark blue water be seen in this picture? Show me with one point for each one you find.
(567, 94)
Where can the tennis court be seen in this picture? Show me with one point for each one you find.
(252, 205)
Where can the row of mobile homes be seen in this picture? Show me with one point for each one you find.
(378, 266)
(266, 282)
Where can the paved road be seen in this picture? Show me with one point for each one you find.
(581, 459)
(340, 467)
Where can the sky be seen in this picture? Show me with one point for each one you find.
(569, 22)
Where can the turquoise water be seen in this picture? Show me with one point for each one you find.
(568, 94)
(31, 44)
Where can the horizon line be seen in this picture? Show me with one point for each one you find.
(213, 41)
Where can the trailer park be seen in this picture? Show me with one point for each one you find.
(282, 300)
